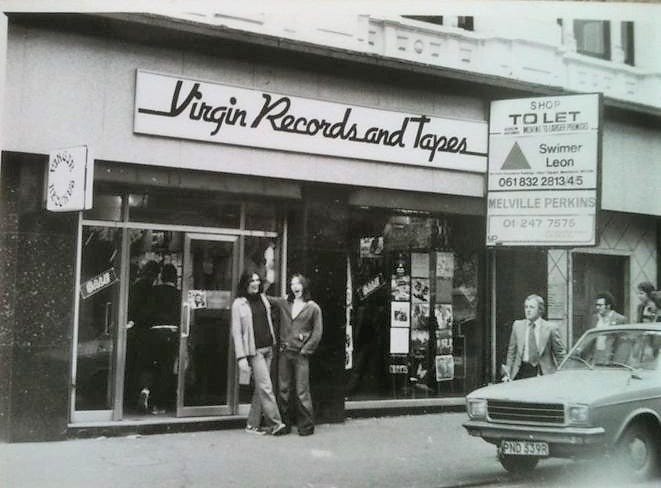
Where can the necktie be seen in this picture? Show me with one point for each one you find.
(533, 353)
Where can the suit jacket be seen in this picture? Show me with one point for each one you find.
(614, 319)
(551, 348)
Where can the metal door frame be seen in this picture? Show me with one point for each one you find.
(209, 410)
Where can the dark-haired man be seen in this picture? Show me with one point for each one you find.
(605, 315)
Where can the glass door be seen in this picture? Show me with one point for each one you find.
(205, 366)
(95, 367)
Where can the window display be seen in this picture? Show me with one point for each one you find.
(408, 330)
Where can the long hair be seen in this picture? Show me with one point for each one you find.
(244, 280)
(647, 287)
(306, 288)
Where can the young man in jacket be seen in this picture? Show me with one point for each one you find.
(300, 332)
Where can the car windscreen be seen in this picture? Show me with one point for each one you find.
(626, 349)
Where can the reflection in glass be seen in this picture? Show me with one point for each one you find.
(207, 348)
(97, 317)
(619, 349)
(154, 315)
(195, 209)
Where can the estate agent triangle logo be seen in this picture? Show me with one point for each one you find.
(515, 159)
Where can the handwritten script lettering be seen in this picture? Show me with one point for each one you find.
(279, 114)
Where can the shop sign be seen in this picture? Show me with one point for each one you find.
(543, 171)
(173, 106)
(69, 179)
(99, 282)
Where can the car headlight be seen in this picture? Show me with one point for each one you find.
(578, 414)
(477, 408)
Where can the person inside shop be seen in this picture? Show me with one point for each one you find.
(139, 312)
(648, 309)
(605, 315)
(254, 341)
(301, 329)
(535, 346)
(159, 379)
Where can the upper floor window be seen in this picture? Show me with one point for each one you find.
(593, 38)
(430, 19)
(463, 22)
(628, 43)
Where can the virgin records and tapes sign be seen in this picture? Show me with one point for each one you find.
(173, 106)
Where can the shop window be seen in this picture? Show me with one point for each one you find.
(628, 43)
(593, 38)
(261, 216)
(193, 209)
(99, 311)
(414, 283)
(106, 206)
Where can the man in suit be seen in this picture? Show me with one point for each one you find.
(535, 345)
(605, 316)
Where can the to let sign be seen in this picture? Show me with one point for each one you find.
(543, 171)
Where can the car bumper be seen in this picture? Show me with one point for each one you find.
(559, 436)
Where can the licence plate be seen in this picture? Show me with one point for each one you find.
(525, 448)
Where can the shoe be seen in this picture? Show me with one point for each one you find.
(280, 429)
(305, 432)
(143, 400)
(254, 430)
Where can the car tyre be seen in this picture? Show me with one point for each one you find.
(517, 464)
(638, 451)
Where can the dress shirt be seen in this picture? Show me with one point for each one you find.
(525, 346)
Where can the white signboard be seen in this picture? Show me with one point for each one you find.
(69, 180)
(173, 106)
(543, 171)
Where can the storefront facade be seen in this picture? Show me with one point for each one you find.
(216, 155)
(380, 198)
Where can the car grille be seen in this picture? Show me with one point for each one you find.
(547, 413)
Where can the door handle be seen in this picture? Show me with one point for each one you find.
(108, 315)
(185, 329)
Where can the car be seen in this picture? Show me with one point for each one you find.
(604, 399)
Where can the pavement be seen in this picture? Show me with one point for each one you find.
(407, 451)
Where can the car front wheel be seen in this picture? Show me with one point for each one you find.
(517, 464)
(638, 451)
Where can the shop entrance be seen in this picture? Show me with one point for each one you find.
(153, 332)
(204, 364)
(178, 341)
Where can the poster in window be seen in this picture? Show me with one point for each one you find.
(400, 288)
(420, 316)
(420, 264)
(197, 299)
(420, 290)
(444, 341)
(348, 347)
(398, 364)
(444, 367)
(443, 290)
(443, 314)
(419, 342)
(399, 340)
(371, 247)
(445, 265)
(400, 314)
(419, 371)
